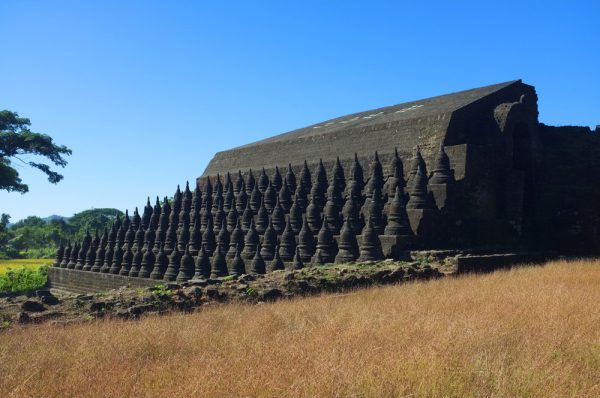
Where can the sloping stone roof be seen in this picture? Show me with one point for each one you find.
(423, 122)
(408, 110)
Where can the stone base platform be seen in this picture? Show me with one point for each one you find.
(462, 261)
(491, 262)
(92, 282)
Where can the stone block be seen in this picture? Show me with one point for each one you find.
(392, 246)
(425, 224)
(445, 196)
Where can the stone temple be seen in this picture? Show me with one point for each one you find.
(473, 170)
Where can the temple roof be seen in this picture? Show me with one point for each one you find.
(407, 110)
(423, 122)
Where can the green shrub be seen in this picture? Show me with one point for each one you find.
(7, 253)
(42, 252)
(161, 291)
(22, 280)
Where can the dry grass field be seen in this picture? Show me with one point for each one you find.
(532, 331)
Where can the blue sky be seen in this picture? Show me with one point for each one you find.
(145, 92)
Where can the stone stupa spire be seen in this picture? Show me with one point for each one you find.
(160, 264)
(398, 223)
(306, 241)
(348, 250)
(418, 192)
(290, 179)
(257, 266)
(370, 246)
(442, 174)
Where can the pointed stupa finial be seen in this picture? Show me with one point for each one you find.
(263, 181)
(290, 179)
(417, 160)
(356, 175)
(305, 177)
(277, 180)
(396, 179)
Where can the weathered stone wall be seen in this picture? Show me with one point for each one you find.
(493, 190)
(569, 203)
(90, 282)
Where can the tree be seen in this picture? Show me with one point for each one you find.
(6, 250)
(16, 141)
(91, 220)
(4, 236)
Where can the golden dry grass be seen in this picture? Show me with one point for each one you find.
(531, 331)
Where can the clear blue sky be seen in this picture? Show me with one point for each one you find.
(145, 92)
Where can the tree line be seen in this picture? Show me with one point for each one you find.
(35, 237)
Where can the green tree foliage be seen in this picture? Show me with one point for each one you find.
(37, 238)
(6, 250)
(16, 142)
(91, 220)
(4, 220)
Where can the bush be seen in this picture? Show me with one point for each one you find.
(22, 280)
(42, 252)
(7, 253)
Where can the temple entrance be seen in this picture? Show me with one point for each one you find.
(523, 163)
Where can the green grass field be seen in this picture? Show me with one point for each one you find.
(5, 265)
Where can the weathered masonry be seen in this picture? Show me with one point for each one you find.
(471, 170)
(514, 180)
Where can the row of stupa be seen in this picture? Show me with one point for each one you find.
(258, 225)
